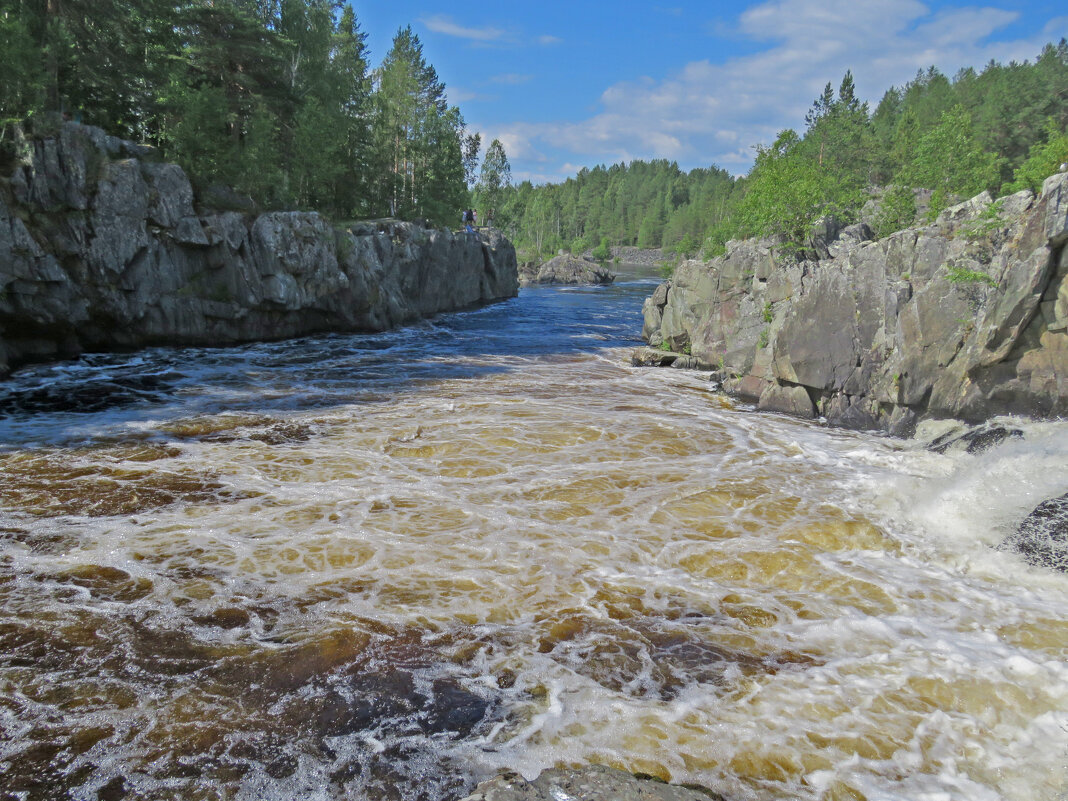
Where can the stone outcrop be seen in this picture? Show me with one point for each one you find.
(102, 247)
(593, 783)
(566, 269)
(966, 317)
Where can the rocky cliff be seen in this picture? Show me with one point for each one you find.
(102, 247)
(962, 318)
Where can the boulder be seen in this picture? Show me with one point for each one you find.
(653, 357)
(1042, 538)
(792, 400)
(565, 269)
(593, 783)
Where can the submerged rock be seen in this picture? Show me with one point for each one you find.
(1042, 538)
(974, 440)
(593, 783)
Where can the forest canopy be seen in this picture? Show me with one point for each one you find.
(274, 98)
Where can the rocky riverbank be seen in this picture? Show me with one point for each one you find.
(966, 317)
(103, 247)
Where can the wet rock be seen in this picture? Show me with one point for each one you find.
(1042, 538)
(652, 357)
(792, 400)
(393, 701)
(688, 362)
(974, 440)
(113, 790)
(593, 783)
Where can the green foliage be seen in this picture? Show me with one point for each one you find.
(962, 275)
(897, 210)
(953, 137)
(1044, 159)
(786, 191)
(493, 181)
(617, 201)
(763, 341)
(950, 160)
(603, 252)
(418, 139)
(276, 98)
(768, 314)
(22, 89)
(272, 97)
(687, 246)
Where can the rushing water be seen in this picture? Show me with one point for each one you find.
(387, 566)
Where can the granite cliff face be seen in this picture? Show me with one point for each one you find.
(102, 247)
(963, 318)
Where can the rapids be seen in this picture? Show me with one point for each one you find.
(387, 566)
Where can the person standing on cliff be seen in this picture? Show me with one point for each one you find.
(468, 218)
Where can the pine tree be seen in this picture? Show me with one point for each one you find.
(493, 180)
(418, 140)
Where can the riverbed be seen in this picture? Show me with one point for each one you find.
(386, 566)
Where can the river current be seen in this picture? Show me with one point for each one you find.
(387, 566)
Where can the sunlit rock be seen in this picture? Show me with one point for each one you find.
(966, 317)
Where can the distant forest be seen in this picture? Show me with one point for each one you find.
(273, 98)
(1000, 129)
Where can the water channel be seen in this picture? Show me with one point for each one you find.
(387, 566)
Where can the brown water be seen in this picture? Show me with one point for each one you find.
(386, 567)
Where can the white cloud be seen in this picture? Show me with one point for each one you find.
(443, 24)
(715, 112)
(460, 95)
(511, 78)
(549, 40)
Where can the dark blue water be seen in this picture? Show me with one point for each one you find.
(57, 402)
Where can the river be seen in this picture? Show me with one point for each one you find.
(387, 566)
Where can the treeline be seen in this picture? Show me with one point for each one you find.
(274, 98)
(1002, 129)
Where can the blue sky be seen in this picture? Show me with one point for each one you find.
(570, 84)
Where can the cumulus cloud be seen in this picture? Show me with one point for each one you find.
(711, 112)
